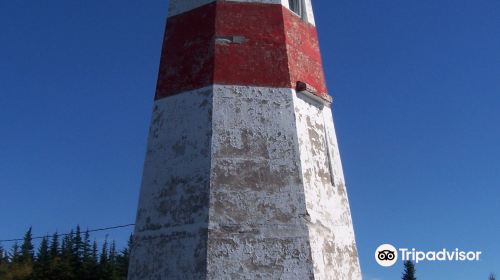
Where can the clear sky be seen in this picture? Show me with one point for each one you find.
(416, 86)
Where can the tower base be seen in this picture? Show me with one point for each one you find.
(243, 183)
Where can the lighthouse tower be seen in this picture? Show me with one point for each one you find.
(242, 177)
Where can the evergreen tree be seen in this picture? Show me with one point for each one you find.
(20, 267)
(3, 255)
(492, 277)
(74, 257)
(112, 252)
(104, 271)
(409, 273)
(88, 265)
(27, 248)
(104, 253)
(77, 251)
(94, 253)
(113, 262)
(15, 255)
(42, 266)
(67, 245)
(43, 255)
(4, 262)
(66, 265)
(86, 248)
(78, 244)
(123, 259)
(58, 269)
(54, 246)
(107, 261)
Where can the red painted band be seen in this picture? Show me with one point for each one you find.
(239, 44)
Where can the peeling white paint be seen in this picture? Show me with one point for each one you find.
(172, 219)
(237, 185)
(257, 226)
(330, 226)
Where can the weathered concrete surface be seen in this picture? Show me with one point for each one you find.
(172, 219)
(243, 183)
(257, 224)
(330, 227)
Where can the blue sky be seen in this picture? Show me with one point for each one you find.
(416, 86)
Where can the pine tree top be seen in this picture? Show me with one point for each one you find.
(409, 273)
(27, 248)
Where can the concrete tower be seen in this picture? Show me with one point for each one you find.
(242, 178)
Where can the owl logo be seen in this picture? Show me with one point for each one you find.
(386, 255)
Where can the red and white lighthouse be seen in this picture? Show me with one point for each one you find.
(242, 178)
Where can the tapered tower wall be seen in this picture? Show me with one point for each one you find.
(242, 177)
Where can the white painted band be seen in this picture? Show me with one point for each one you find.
(177, 7)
